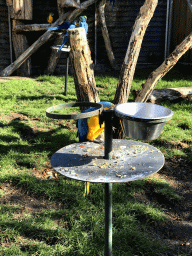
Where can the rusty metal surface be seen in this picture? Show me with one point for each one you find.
(131, 160)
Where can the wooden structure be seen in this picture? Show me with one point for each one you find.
(29, 23)
(181, 25)
(5, 49)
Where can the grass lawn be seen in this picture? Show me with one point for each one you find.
(40, 215)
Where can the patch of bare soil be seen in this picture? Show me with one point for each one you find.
(177, 230)
(26, 201)
(7, 78)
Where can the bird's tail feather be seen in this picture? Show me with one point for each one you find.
(64, 42)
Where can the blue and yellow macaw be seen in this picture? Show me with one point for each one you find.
(68, 25)
(90, 129)
(83, 23)
(65, 26)
(50, 18)
(66, 36)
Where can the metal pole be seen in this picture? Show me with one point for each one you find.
(108, 116)
(108, 219)
(66, 73)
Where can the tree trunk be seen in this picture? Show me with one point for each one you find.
(130, 61)
(83, 66)
(156, 75)
(106, 34)
(54, 57)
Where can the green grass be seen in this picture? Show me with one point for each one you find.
(74, 225)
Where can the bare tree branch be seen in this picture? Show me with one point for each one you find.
(130, 61)
(156, 75)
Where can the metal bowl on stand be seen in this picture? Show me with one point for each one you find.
(143, 121)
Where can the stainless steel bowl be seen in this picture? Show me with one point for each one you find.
(143, 121)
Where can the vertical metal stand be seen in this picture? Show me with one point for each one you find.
(66, 73)
(108, 219)
(108, 116)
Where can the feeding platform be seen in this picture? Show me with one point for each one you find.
(114, 161)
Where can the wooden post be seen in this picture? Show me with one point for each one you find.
(83, 66)
(23, 9)
(156, 75)
(20, 45)
(130, 61)
(20, 10)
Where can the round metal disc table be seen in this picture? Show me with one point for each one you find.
(130, 160)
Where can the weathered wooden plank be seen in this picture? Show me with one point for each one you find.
(18, 7)
(22, 9)
(28, 9)
(30, 27)
(20, 44)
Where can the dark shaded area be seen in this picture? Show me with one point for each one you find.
(176, 230)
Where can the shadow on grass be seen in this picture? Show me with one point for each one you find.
(80, 222)
(39, 141)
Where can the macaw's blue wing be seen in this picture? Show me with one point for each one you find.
(83, 23)
(65, 25)
(64, 42)
(66, 36)
(112, 2)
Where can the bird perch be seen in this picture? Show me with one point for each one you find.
(43, 39)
